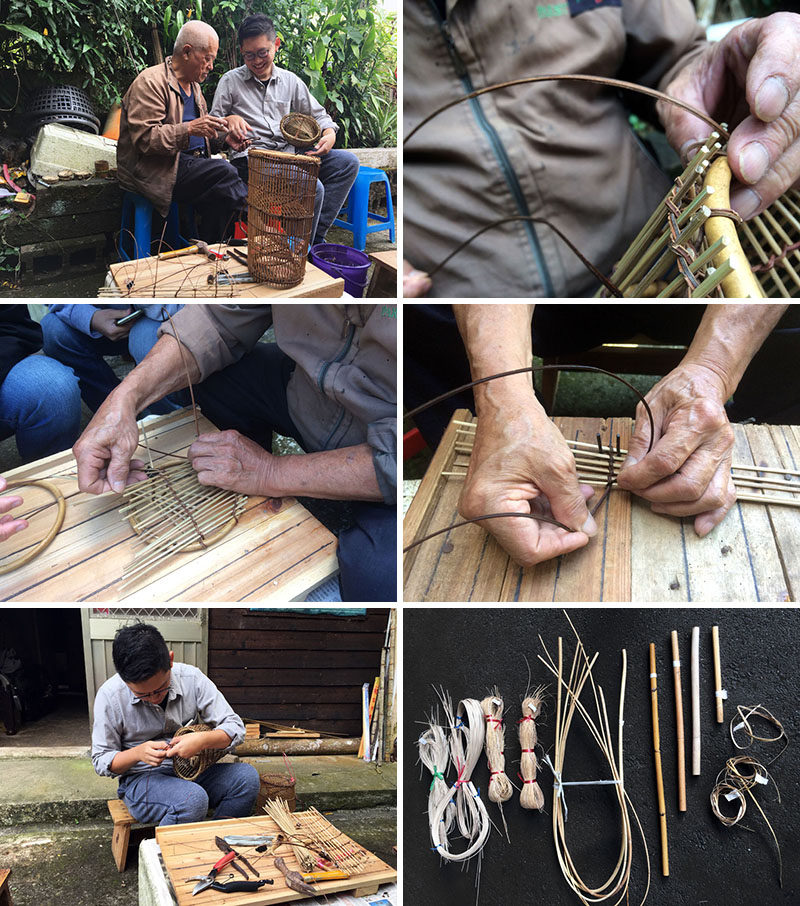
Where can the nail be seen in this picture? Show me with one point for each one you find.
(771, 99)
(745, 202)
(753, 162)
(590, 526)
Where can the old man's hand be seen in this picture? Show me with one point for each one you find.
(688, 471)
(103, 452)
(207, 126)
(8, 524)
(751, 80)
(229, 460)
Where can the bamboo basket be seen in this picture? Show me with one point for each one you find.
(300, 130)
(192, 768)
(276, 786)
(280, 198)
(694, 246)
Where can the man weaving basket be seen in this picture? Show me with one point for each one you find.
(137, 716)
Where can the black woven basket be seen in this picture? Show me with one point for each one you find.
(60, 99)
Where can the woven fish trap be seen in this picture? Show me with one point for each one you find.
(173, 513)
(192, 768)
(277, 786)
(300, 130)
(695, 246)
(280, 199)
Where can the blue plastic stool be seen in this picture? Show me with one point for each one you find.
(137, 218)
(356, 208)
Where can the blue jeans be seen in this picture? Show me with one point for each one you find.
(159, 796)
(40, 404)
(84, 355)
(250, 397)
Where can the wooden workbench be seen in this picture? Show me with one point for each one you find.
(637, 555)
(189, 850)
(277, 552)
(187, 277)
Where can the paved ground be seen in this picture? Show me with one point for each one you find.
(73, 864)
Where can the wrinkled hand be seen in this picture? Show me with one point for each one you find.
(103, 452)
(207, 126)
(750, 80)
(687, 473)
(187, 746)
(8, 524)
(152, 752)
(227, 459)
(415, 283)
(522, 464)
(323, 145)
(103, 322)
(237, 126)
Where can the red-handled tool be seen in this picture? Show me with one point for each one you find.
(209, 879)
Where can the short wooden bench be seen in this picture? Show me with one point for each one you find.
(5, 892)
(121, 836)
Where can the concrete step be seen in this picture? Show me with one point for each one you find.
(67, 789)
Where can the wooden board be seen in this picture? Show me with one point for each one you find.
(187, 277)
(383, 282)
(637, 556)
(278, 551)
(189, 850)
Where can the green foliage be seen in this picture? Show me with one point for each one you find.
(345, 50)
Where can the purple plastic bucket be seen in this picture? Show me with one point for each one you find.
(342, 261)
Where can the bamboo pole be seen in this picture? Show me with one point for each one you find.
(662, 808)
(719, 694)
(676, 674)
(696, 701)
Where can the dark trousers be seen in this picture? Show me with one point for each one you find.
(337, 173)
(213, 187)
(435, 360)
(250, 397)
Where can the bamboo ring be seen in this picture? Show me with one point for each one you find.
(196, 545)
(54, 530)
(740, 283)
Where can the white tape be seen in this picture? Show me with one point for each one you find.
(738, 727)
(734, 794)
(763, 780)
(722, 693)
(497, 701)
(676, 663)
(653, 675)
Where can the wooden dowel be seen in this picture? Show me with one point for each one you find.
(720, 695)
(676, 675)
(696, 701)
(662, 807)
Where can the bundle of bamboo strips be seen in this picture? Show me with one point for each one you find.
(383, 713)
(172, 512)
(753, 483)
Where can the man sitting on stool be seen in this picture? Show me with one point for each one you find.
(254, 98)
(136, 716)
(163, 151)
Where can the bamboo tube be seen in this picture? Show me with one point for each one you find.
(676, 674)
(719, 693)
(696, 701)
(662, 808)
(740, 284)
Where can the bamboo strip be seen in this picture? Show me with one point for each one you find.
(662, 808)
(717, 674)
(696, 701)
(676, 674)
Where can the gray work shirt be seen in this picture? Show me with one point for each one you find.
(122, 721)
(263, 104)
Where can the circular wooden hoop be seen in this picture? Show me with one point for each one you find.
(195, 546)
(62, 509)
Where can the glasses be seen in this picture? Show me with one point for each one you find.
(155, 693)
(259, 54)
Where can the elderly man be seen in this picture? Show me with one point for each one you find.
(328, 381)
(254, 98)
(165, 130)
(564, 153)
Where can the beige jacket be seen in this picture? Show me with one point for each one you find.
(343, 389)
(152, 133)
(560, 151)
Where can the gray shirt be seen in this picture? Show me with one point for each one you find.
(263, 104)
(122, 721)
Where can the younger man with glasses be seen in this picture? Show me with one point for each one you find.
(254, 98)
(136, 715)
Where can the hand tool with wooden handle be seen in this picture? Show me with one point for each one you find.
(335, 874)
(294, 879)
(226, 848)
